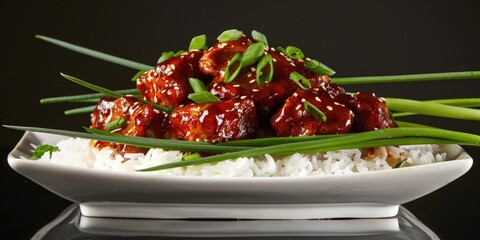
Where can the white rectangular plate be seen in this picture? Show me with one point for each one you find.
(104, 193)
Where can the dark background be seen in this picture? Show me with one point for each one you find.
(356, 38)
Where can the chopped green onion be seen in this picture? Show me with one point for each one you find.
(294, 52)
(318, 67)
(96, 54)
(115, 124)
(253, 53)
(236, 58)
(230, 35)
(260, 76)
(281, 49)
(138, 75)
(197, 85)
(167, 55)
(191, 156)
(300, 80)
(42, 149)
(260, 37)
(401, 163)
(314, 111)
(198, 43)
(203, 97)
(407, 78)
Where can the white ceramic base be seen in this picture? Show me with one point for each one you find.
(238, 211)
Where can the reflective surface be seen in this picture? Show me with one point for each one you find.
(70, 224)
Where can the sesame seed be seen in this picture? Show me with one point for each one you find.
(155, 74)
(318, 99)
(273, 49)
(293, 64)
(253, 69)
(169, 73)
(176, 88)
(222, 45)
(163, 91)
(329, 108)
(308, 59)
(155, 99)
(192, 55)
(172, 66)
(156, 111)
(274, 59)
(243, 97)
(295, 94)
(236, 85)
(249, 74)
(337, 103)
(240, 110)
(300, 60)
(303, 100)
(298, 107)
(236, 104)
(252, 81)
(316, 89)
(255, 90)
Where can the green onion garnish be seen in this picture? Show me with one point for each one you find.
(318, 67)
(281, 50)
(200, 93)
(111, 93)
(230, 35)
(82, 97)
(260, 37)
(115, 124)
(294, 52)
(42, 149)
(358, 140)
(314, 111)
(96, 54)
(300, 80)
(407, 78)
(203, 97)
(236, 59)
(191, 156)
(459, 102)
(253, 53)
(432, 109)
(198, 43)
(261, 77)
(167, 55)
(197, 85)
(138, 75)
(80, 110)
(401, 163)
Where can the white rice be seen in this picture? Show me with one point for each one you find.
(78, 152)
